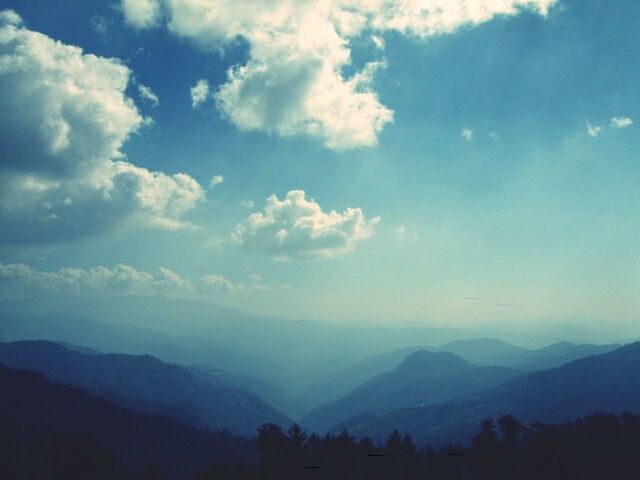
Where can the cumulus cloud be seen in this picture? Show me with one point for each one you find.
(216, 180)
(199, 93)
(18, 280)
(621, 122)
(148, 95)
(142, 13)
(293, 81)
(467, 134)
(297, 228)
(21, 280)
(65, 117)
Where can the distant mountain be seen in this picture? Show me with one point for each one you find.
(342, 382)
(489, 351)
(423, 378)
(607, 382)
(148, 384)
(485, 351)
(481, 351)
(59, 431)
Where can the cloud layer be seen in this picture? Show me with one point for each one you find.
(18, 280)
(298, 228)
(65, 117)
(293, 81)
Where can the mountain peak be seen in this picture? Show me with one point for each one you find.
(422, 360)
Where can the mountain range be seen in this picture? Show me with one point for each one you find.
(606, 382)
(147, 384)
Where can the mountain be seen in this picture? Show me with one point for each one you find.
(58, 431)
(481, 351)
(148, 384)
(607, 382)
(342, 382)
(489, 351)
(423, 378)
(485, 351)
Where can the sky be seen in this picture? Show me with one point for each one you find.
(396, 161)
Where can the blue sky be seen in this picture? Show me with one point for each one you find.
(534, 208)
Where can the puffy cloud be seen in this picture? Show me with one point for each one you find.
(148, 95)
(20, 280)
(199, 93)
(467, 134)
(298, 228)
(141, 13)
(292, 82)
(216, 180)
(65, 117)
(621, 122)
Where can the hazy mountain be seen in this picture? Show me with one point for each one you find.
(60, 431)
(482, 351)
(607, 382)
(148, 384)
(489, 351)
(423, 378)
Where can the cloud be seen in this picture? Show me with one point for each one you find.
(65, 117)
(147, 94)
(621, 122)
(99, 25)
(142, 13)
(593, 130)
(297, 228)
(293, 81)
(218, 284)
(467, 134)
(199, 93)
(20, 280)
(216, 180)
(402, 234)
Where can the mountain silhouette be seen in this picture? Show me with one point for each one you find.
(423, 378)
(607, 382)
(58, 431)
(146, 383)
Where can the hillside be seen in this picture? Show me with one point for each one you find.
(146, 383)
(423, 378)
(608, 382)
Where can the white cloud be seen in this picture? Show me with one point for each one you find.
(199, 93)
(142, 13)
(216, 180)
(298, 228)
(19, 280)
(621, 122)
(248, 203)
(467, 134)
(378, 41)
(494, 136)
(218, 284)
(148, 95)
(65, 118)
(292, 82)
(593, 130)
